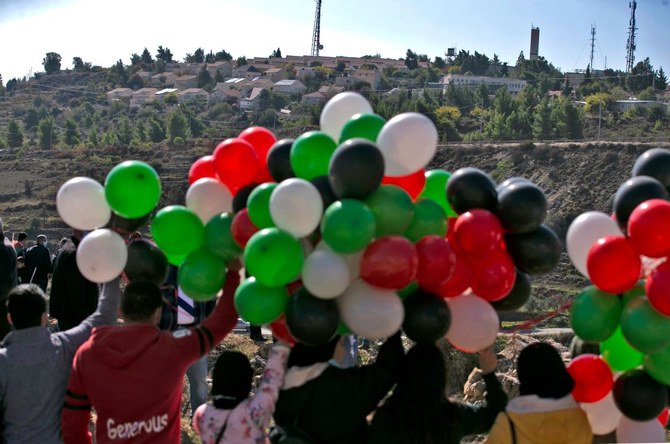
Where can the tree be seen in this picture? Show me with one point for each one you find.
(204, 78)
(31, 118)
(647, 94)
(642, 76)
(2, 84)
(72, 136)
(276, 53)
(520, 60)
(51, 62)
(176, 125)
(14, 134)
(47, 135)
(156, 130)
(542, 122)
(79, 65)
(439, 62)
(241, 61)
(661, 81)
(135, 82)
(119, 71)
(197, 57)
(411, 60)
(124, 131)
(146, 57)
(93, 136)
(223, 55)
(164, 54)
(135, 59)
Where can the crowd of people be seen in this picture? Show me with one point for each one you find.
(131, 373)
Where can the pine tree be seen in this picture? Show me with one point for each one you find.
(14, 134)
(661, 81)
(72, 137)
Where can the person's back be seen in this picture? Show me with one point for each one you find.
(132, 375)
(8, 278)
(38, 260)
(330, 404)
(35, 365)
(545, 411)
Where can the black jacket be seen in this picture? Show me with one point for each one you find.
(456, 420)
(38, 256)
(330, 404)
(8, 280)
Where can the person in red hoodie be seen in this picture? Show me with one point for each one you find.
(132, 375)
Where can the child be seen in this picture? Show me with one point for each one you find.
(233, 417)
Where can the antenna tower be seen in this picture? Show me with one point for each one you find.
(316, 34)
(630, 45)
(593, 45)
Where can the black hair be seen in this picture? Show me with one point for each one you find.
(541, 372)
(26, 304)
(231, 379)
(140, 300)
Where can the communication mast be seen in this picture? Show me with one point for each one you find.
(593, 45)
(316, 34)
(630, 45)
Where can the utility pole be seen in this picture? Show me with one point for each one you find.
(630, 44)
(593, 45)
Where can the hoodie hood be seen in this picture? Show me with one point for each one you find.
(548, 420)
(119, 346)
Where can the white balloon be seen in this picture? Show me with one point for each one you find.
(82, 205)
(296, 207)
(207, 197)
(583, 232)
(371, 312)
(474, 323)
(408, 143)
(603, 415)
(325, 274)
(339, 110)
(353, 260)
(640, 431)
(101, 255)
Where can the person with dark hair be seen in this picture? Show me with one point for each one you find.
(23, 272)
(545, 411)
(330, 404)
(18, 244)
(72, 297)
(35, 364)
(132, 375)
(419, 411)
(38, 261)
(8, 278)
(233, 417)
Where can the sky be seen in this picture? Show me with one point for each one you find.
(104, 31)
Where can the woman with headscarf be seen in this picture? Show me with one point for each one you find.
(545, 411)
(419, 411)
(233, 416)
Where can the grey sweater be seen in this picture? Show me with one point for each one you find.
(34, 372)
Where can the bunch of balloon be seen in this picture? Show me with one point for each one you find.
(627, 309)
(131, 192)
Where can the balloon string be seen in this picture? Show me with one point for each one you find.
(526, 325)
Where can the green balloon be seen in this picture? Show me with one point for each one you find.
(348, 226)
(175, 259)
(362, 125)
(132, 189)
(219, 239)
(429, 219)
(633, 293)
(409, 289)
(202, 275)
(658, 365)
(436, 190)
(393, 210)
(619, 354)
(259, 304)
(258, 205)
(645, 328)
(310, 154)
(343, 329)
(594, 315)
(273, 257)
(177, 230)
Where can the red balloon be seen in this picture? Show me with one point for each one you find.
(478, 232)
(390, 262)
(593, 378)
(412, 183)
(280, 330)
(663, 417)
(451, 223)
(493, 276)
(613, 264)
(437, 261)
(648, 228)
(262, 140)
(203, 167)
(242, 228)
(459, 280)
(657, 288)
(236, 163)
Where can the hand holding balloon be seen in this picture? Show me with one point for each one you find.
(488, 361)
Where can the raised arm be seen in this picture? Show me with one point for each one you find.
(262, 404)
(76, 411)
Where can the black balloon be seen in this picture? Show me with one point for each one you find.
(522, 207)
(122, 224)
(654, 163)
(639, 396)
(279, 160)
(427, 317)
(510, 181)
(632, 193)
(311, 320)
(356, 169)
(518, 296)
(470, 188)
(536, 252)
(240, 199)
(146, 261)
(322, 184)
